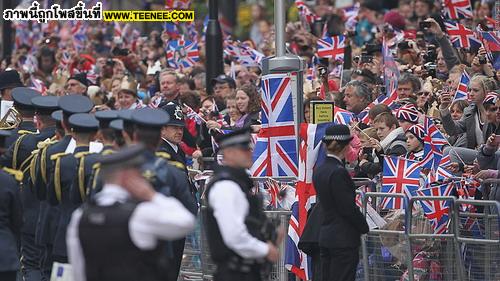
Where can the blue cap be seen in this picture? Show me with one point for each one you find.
(175, 113)
(57, 115)
(105, 117)
(125, 114)
(45, 104)
(83, 122)
(116, 125)
(75, 104)
(22, 97)
(149, 117)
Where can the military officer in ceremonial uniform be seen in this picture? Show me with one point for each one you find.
(65, 177)
(88, 166)
(42, 167)
(19, 157)
(22, 103)
(120, 234)
(172, 133)
(343, 223)
(235, 216)
(11, 220)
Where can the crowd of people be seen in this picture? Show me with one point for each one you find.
(81, 92)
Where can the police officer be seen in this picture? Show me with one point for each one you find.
(172, 133)
(235, 216)
(343, 223)
(42, 166)
(11, 220)
(119, 235)
(65, 176)
(19, 157)
(22, 103)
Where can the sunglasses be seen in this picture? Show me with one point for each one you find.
(423, 93)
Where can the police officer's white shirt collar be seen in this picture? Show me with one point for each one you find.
(334, 156)
(174, 146)
(110, 194)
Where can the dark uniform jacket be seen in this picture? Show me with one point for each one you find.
(178, 156)
(343, 223)
(11, 219)
(23, 126)
(42, 166)
(63, 173)
(19, 157)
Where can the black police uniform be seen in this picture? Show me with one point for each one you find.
(231, 265)
(343, 223)
(123, 260)
(11, 219)
(65, 171)
(19, 157)
(41, 168)
(22, 101)
(176, 119)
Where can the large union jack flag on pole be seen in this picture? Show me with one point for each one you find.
(400, 176)
(182, 53)
(437, 211)
(331, 47)
(461, 36)
(275, 152)
(457, 9)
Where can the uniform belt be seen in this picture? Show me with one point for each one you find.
(240, 265)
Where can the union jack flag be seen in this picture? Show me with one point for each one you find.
(275, 152)
(306, 15)
(437, 211)
(390, 101)
(273, 189)
(177, 4)
(461, 36)
(182, 53)
(191, 114)
(434, 143)
(243, 53)
(38, 85)
(400, 176)
(439, 176)
(491, 43)
(351, 17)
(391, 71)
(462, 92)
(172, 30)
(457, 9)
(331, 47)
(79, 32)
(342, 116)
(310, 152)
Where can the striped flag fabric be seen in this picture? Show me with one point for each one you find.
(331, 48)
(457, 9)
(310, 155)
(399, 176)
(351, 17)
(342, 116)
(243, 53)
(462, 92)
(461, 36)
(390, 101)
(491, 43)
(434, 143)
(391, 71)
(307, 16)
(437, 211)
(275, 152)
(182, 53)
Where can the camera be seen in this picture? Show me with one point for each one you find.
(431, 54)
(430, 67)
(322, 71)
(424, 25)
(482, 60)
(110, 62)
(120, 52)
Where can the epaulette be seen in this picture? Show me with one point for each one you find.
(24, 132)
(46, 142)
(177, 164)
(56, 156)
(96, 166)
(163, 155)
(107, 152)
(81, 173)
(18, 175)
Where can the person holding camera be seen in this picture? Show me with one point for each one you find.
(342, 223)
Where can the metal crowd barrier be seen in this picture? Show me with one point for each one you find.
(197, 263)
